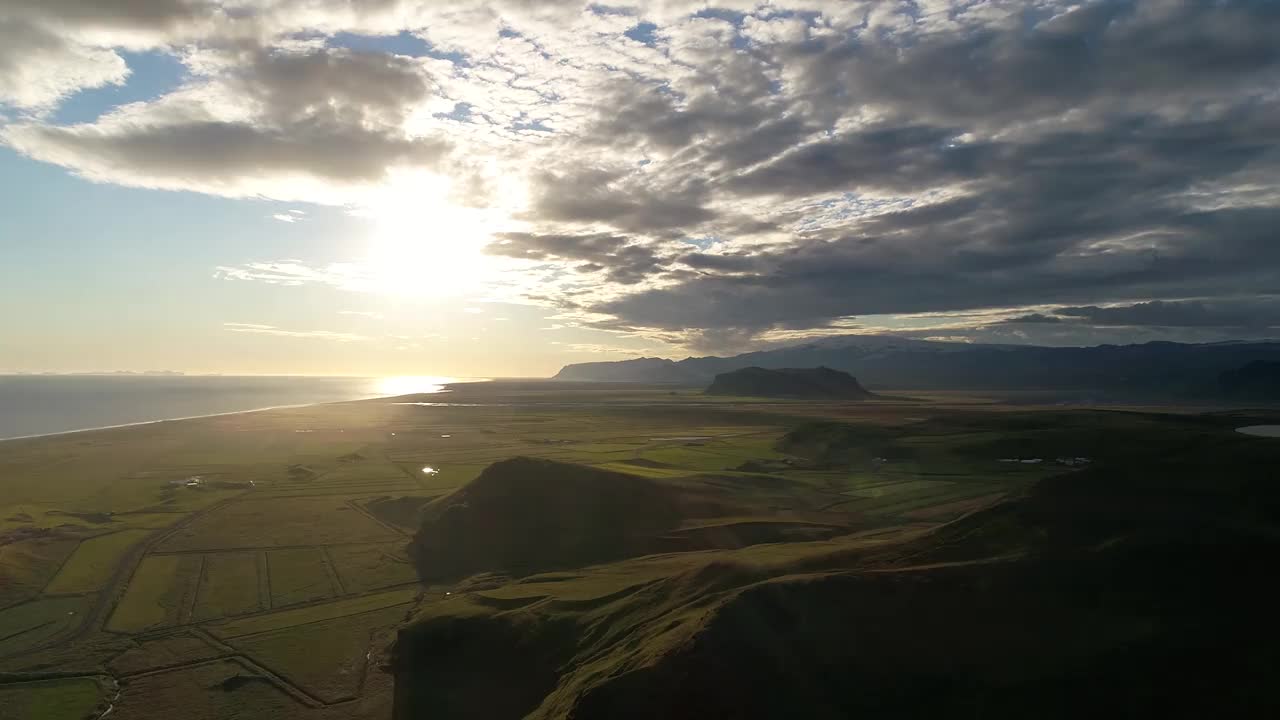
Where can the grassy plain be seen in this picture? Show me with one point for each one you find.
(299, 575)
(229, 586)
(70, 698)
(158, 595)
(260, 592)
(91, 565)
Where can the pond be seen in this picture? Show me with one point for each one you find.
(1261, 430)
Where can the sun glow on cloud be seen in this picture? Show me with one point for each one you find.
(424, 243)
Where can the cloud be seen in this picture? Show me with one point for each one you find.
(622, 259)
(715, 176)
(311, 124)
(1254, 313)
(38, 67)
(258, 329)
(297, 273)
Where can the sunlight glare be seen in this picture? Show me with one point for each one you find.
(426, 245)
(412, 385)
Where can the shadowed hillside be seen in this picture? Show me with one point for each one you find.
(1257, 382)
(524, 514)
(812, 383)
(1137, 587)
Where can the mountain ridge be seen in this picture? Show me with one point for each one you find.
(1161, 367)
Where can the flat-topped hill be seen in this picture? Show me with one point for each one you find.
(526, 514)
(820, 383)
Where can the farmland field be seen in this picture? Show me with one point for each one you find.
(158, 594)
(229, 586)
(299, 575)
(72, 698)
(91, 565)
(273, 587)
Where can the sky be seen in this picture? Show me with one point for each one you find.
(498, 188)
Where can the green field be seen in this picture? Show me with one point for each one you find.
(333, 671)
(93, 562)
(314, 613)
(299, 575)
(171, 651)
(228, 586)
(39, 621)
(158, 594)
(274, 589)
(70, 699)
(362, 568)
(277, 521)
(26, 567)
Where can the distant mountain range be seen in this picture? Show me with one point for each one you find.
(1155, 368)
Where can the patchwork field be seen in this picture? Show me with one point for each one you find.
(94, 560)
(271, 587)
(275, 522)
(158, 595)
(70, 698)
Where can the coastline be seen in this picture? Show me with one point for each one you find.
(177, 415)
(175, 419)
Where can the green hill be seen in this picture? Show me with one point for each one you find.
(1138, 587)
(524, 515)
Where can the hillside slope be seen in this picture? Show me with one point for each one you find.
(1139, 587)
(1256, 382)
(527, 515)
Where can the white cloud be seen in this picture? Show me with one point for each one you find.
(259, 329)
(778, 169)
(39, 67)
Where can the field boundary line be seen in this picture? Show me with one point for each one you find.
(188, 609)
(260, 548)
(323, 620)
(332, 567)
(364, 511)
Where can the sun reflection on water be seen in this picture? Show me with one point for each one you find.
(412, 385)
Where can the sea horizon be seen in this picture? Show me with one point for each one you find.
(38, 405)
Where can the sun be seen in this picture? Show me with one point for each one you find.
(424, 244)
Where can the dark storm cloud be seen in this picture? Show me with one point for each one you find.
(1263, 312)
(813, 283)
(1166, 105)
(208, 152)
(626, 262)
(1031, 319)
(1030, 65)
(626, 202)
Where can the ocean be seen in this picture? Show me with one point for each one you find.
(44, 404)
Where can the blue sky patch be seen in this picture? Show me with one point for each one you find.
(645, 32)
(152, 74)
(404, 43)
